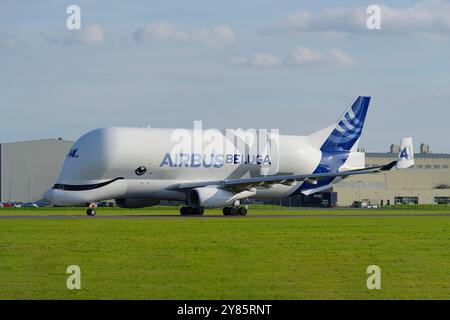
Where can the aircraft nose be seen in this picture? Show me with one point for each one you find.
(48, 195)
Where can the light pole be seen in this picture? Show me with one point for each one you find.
(359, 189)
(378, 194)
(29, 180)
(10, 180)
(6, 180)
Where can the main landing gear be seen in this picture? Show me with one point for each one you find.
(235, 211)
(190, 211)
(91, 210)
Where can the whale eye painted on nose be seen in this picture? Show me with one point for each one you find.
(140, 171)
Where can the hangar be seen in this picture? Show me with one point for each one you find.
(428, 182)
(29, 168)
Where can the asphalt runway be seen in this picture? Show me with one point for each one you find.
(256, 216)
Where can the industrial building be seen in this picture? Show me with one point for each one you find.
(29, 168)
(428, 182)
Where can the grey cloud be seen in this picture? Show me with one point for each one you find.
(161, 30)
(88, 35)
(8, 41)
(297, 57)
(426, 16)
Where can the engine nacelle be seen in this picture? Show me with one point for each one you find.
(210, 197)
(136, 202)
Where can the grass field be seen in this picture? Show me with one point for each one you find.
(253, 209)
(229, 258)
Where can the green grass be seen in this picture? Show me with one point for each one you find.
(232, 258)
(418, 207)
(253, 209)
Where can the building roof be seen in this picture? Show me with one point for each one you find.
(37, 141)
(416, 155)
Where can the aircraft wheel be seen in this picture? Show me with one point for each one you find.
(189, 211)
(90, 212)
(226, 211)
(186, 211)
(233, 211)
(242, 211)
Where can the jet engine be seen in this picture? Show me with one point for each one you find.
(136, 202)
(210, 197)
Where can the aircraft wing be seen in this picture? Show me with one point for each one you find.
(246, 183)
(405, 160)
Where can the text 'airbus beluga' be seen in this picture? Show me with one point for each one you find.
(138, 167)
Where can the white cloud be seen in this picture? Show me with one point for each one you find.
(258, 60)
(88, 35)
(91, 34)
(214, 36)
(8, 41)
(297, 57)
(425, 17)
(304, 56)
(340, 57)
(158, 30)
(428, 93)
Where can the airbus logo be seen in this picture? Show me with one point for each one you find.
(73, 153)
(196, 160)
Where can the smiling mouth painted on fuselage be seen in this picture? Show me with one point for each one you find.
(69, 194)
(196, 160)
(83, 187)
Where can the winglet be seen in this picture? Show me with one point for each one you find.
(406, 154)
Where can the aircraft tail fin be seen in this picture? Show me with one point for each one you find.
(345, 134)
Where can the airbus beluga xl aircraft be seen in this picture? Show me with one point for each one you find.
(138, 167)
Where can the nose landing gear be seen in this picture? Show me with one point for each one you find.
(91, 210)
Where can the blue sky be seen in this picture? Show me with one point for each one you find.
(292, 65)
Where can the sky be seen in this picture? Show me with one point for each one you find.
(289, 65)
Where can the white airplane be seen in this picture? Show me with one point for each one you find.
(138, 167)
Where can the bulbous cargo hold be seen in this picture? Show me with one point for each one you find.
(121, 163)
